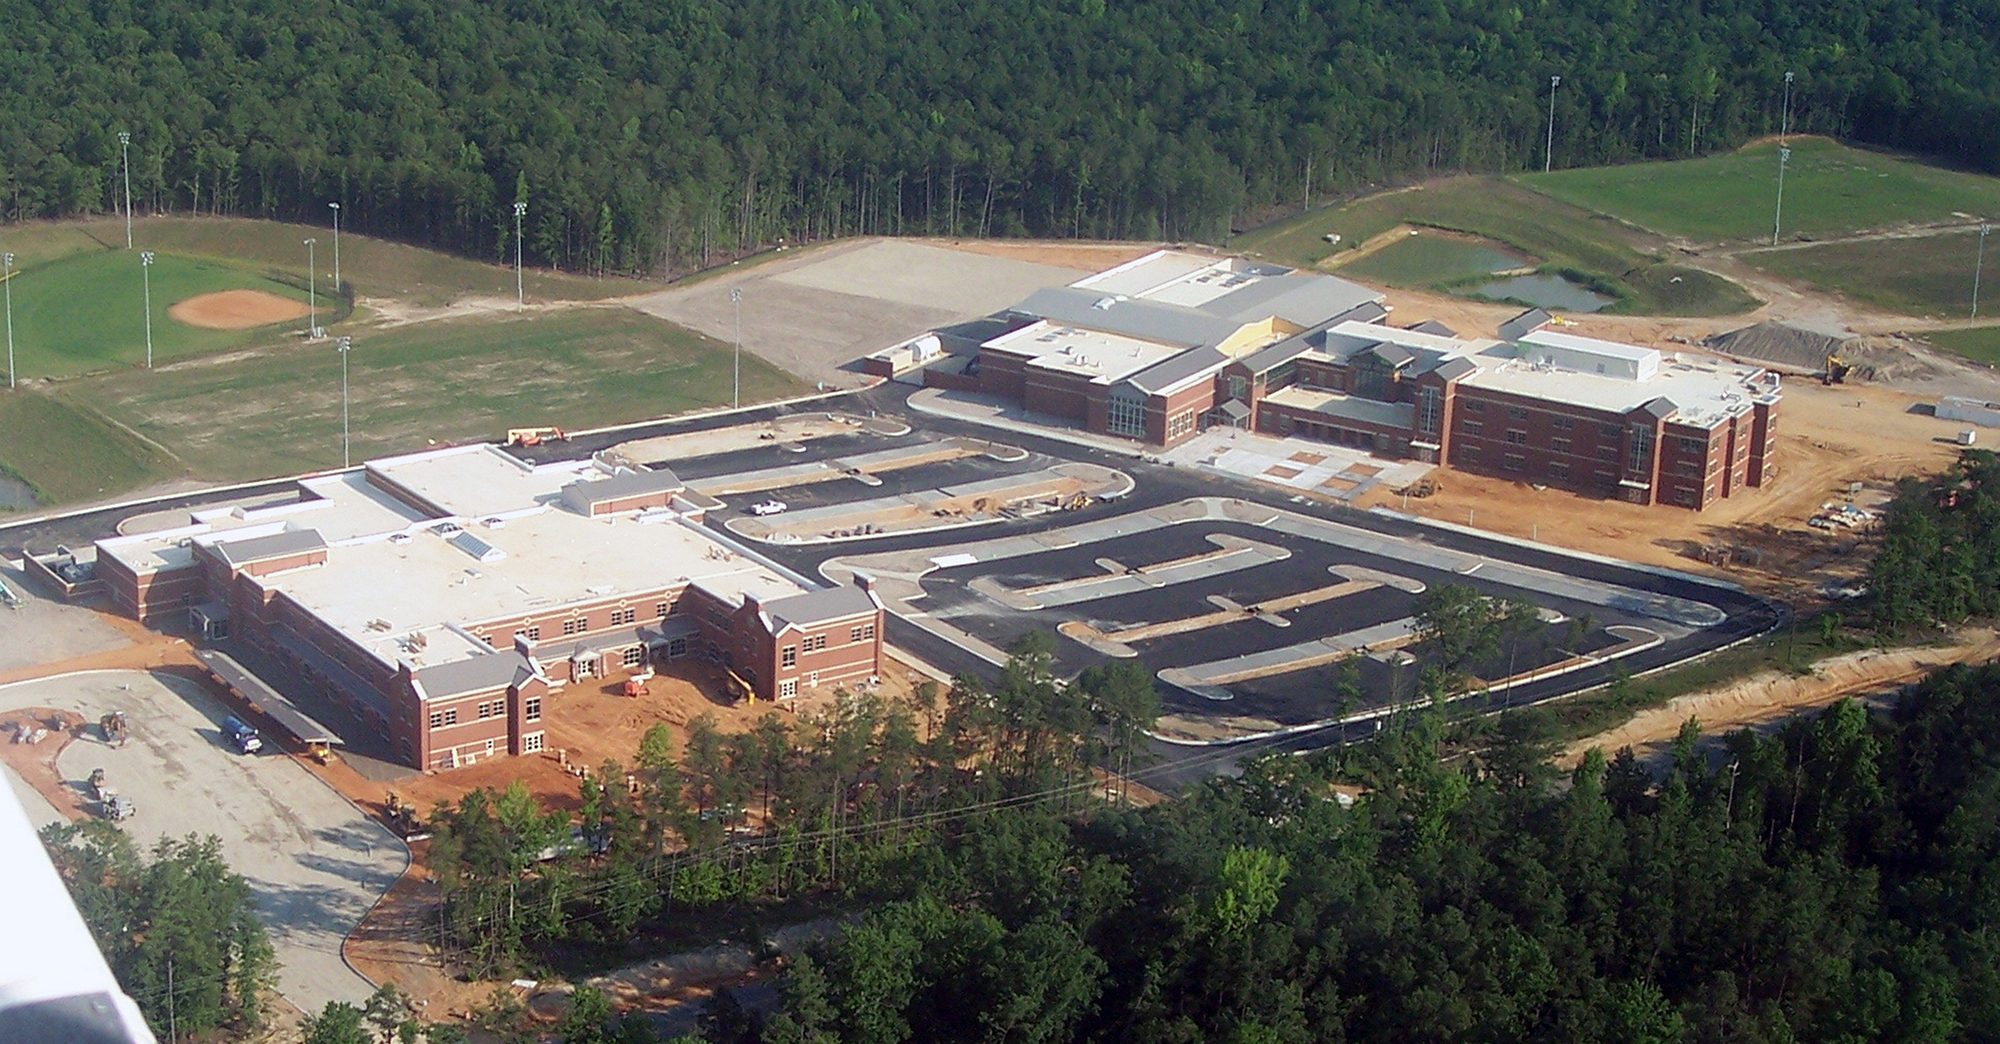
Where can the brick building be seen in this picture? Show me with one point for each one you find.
(445, 600)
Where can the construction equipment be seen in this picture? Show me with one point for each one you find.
(1076, 502)
(535, 436)
(635, 686)
(110, 803)
(1421, 488)
(402, 817)
(114, 728)
(738, 688)
(1836, 370)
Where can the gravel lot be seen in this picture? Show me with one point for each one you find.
(313, 861)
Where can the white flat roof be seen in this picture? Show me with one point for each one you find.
(340, 507)
(1103, 357)
(1705, 391)
(1139, 275)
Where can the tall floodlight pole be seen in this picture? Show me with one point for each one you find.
(125, 152)
(1549, 149)
(7, 280)
(520, 300)
(343, 345)
(1978, 261)
(736, 375)
(312, 289)
(146, 280)
(336, 246)
(1785, 120)
(1778, 216)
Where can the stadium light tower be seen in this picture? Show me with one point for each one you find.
(312, 289)
(1778, 216)
(736, 364)
(125, 152)
(1549, 149)
(1978, 260)
(336, 246)
(1785, 120)
(343, 345)
(520, 301)
(146, 280)
(7, 280)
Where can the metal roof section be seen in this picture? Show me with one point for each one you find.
(1300, 298)
(1174, 374)
(1453, 369)
(1102, 357)
(1549, 348)
(1394, 354)
(496, 670)
(1131, 317)
(1432, 326)
(622, 485)
(304, 727)
(1661, 407)
(1525, 323)
(264, 548)
(1234, 410)
(822, 606)
(480, 550)
(1399, 415)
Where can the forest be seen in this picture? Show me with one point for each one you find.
(649, 136)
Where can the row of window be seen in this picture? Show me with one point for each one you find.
(1180, 424)
(531, 710)
(788, 656)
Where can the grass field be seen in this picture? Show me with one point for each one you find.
(1563, 236)
(69, 453)
(1981, 344)
(374, 267)
(249, 415)
(1830, 190)
(1432, 259)
(85, 312)
(1915, 275)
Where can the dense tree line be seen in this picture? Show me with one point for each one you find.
(177, 927)
(655, 136)
(1939, 559)
(1835, 881)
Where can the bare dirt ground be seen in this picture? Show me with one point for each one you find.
(1062, 253)
(1828, 437)
(1762, 700)
(236, 310)
(796, 429)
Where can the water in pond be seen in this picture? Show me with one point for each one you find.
(1544, 291)
(15, 494)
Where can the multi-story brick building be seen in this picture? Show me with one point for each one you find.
(445, 600)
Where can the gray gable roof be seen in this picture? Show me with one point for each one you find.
(495, 670)
(1302, 298)
(627, 484)
(1315, 339)
(1167, 373)
(1453, 369)
(821, 606)
(1661, 407)
(1393, 354)
(1432, 326)
(275, 545)
(1146, 320)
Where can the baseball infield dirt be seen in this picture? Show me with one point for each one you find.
(236, 310)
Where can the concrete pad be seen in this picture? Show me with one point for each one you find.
(44, 630)
(315, 864)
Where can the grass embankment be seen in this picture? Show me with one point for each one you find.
(1981, 344)
(70, 453)
(1624, 262)
(1926, 275)
(1830, 190)
(1431, 258)
(270, 413)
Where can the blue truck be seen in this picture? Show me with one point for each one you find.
(242, 734)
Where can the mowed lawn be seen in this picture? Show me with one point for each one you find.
(87, 312)
(68, 453)
(1431, 258)
(1562, 236)
(1928, 275)
(1830, 190)
(273, 412)
(1979, 343)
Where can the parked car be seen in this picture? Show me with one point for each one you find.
(769, 507)
(243, 735)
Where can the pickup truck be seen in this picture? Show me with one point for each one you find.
(242, 735)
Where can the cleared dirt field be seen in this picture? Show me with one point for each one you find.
(815, 313)
(236, 310)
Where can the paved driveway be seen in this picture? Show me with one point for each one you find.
(314, 863)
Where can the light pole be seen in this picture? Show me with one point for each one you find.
(336, 246)
(343, 345)
(736, 374)
(1785, 120)
(125, 153)
(146, 280)
(312, 289)
(1549, 149)
(1978, 261)
(7, 280)
(520, 301)
(1778, 216)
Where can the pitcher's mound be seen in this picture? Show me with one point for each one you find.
(236, 310)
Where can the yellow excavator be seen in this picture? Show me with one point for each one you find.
(1836, 370)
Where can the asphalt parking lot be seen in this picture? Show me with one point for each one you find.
(314, 863)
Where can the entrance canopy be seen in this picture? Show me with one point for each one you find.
(282, 710)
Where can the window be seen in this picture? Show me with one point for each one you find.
(1430, 409)
(1515, 462)
(863, 633)
(788, 688)
(488, 709)
(1559, 445)
(1472, 406)
(1611, 431)
(676, 648)
(789, 656)
(531, 743)
(1516, 413)
(633, 657)
(1516, 437)
(1698, 447)
(1471, 427)
(662, 609)
(531, 709)
(623, 616)
(1684, 495)
(1238, 387)
(437, 719)
(1125, 416)
(482, 637)
(451, 717)
(1608, 451)
(533, 634)
(572, 627)
(1563, 423)
(1180, 424)
(1642, 447)
(814, 642)
(1559, 471)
